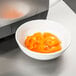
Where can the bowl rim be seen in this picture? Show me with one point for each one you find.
(38, 52)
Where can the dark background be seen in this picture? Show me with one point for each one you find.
(72, 4)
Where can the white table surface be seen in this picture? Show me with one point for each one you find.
(63, 14)
(15, 63)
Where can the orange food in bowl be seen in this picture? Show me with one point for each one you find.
(43, 43)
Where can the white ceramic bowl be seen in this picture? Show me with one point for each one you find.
(34, 26)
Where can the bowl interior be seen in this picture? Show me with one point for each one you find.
(32, 27)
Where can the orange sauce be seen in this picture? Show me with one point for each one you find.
(43, 43)
(10, 12)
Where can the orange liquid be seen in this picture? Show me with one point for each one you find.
(10, 12)
(43, 43)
